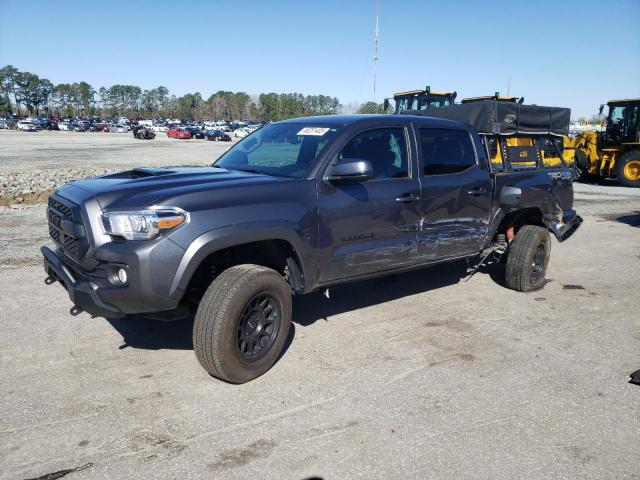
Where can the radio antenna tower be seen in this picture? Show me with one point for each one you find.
(376, 41)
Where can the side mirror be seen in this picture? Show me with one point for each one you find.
(601, 110)
(385, 105)
(351, 170)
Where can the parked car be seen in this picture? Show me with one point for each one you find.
(64, 125)
(195, 132)
(9, 123)
(354, 197)
(178, 132)
(44, 123)
(97, 127)
(218, 136)
(241, 133)
(119, 128)
(159, 128)
(143, 132)
(27, 126)
(81, 126)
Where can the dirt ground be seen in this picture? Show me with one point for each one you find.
(421, 375)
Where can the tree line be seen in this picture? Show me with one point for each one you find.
(26, 93)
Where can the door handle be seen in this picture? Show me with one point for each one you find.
(408, 198)
(477, 191)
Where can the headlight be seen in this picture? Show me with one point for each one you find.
(143, 224)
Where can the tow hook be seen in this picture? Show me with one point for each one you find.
(49, 280)
(75, 310)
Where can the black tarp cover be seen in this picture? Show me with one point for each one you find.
(505, 118)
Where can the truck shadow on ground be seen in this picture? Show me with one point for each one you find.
(632, 220)
(150, 334)
(308, 309)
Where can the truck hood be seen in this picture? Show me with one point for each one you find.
(153, 186)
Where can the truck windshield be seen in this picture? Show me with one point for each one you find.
(282, 150)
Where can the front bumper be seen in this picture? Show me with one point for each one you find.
(150, 270)
(83, 293)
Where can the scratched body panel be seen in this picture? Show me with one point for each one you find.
(369, 230)
(456, 211)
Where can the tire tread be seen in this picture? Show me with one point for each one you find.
(208, 327)
(620, 163)
(522, 250)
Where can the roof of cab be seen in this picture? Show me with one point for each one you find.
(625, 100)
(374, 119)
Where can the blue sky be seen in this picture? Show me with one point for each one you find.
(574, 53)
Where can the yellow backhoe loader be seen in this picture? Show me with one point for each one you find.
(614, 152)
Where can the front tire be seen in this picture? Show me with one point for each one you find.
(628, 169)
(242, 323)
(528, 259)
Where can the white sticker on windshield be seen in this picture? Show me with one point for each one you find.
(315, 131)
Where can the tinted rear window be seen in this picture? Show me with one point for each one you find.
(445, 151)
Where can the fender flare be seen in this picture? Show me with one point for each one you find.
(502, 213)
(232, 235)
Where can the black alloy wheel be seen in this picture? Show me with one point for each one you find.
(538, 264)
(258, 327)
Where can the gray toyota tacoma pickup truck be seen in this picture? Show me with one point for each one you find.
(297, 206)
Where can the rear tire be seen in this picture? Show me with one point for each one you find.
(242, 323)
(628, 169)
(528, 259)
(577, 171)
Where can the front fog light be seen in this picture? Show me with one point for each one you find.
(122, 275)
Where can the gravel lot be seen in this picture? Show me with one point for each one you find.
(415, 376)
(33, 163)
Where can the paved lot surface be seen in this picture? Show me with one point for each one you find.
(419, 375)
(22, 151)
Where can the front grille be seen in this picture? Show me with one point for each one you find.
(54, 233)
(65, 227)
(65, 210)
(71, 245)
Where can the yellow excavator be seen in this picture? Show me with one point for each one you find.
(614, 152)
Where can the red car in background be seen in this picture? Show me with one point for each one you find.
(178, 132)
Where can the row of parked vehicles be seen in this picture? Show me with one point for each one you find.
(34, 124)
(219, 131)
(214, 131)
(181, 132)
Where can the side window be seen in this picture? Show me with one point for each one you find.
(446, 151)
(385, 148)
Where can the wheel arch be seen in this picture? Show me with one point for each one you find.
(246, 243)
(516, 218)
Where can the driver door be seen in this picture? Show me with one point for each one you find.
(371, 226)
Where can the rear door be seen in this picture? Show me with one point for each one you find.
(456, 194)
(371, 226)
